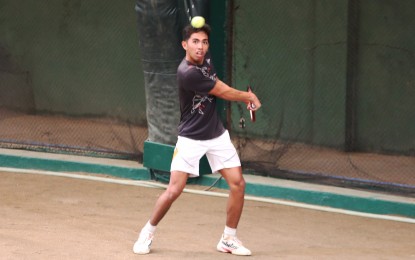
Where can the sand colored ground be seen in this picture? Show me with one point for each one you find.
(47, 217)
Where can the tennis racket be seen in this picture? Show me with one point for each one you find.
(252, 106)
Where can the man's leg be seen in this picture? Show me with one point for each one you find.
(236, 183)
(175, 188)
(229, 243)
(176, 185)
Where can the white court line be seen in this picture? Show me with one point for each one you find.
(210, 193)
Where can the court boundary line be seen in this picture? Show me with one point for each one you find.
(149, 184)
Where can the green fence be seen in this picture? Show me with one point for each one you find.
(336, 79)
(71, 77)
(336, 83)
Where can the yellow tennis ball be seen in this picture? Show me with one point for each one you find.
(198, 22)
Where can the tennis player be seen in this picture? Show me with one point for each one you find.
(201, 132)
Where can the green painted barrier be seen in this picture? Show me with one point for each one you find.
(45, 164)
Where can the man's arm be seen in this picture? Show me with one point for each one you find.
(226, 92)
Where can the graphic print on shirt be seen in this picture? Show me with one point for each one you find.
(198, 100)
(206, 71)
(199, 103)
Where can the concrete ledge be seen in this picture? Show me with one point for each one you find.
(321, 195)
(62, 163)
(341, 198)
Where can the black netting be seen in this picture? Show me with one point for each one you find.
(71, 78)
(336, 79)
(335, 83)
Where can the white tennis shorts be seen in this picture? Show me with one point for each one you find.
(220, 152)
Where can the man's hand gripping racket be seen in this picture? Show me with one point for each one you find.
(252, 107)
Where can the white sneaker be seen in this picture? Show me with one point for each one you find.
(230, 244)
(143, 243)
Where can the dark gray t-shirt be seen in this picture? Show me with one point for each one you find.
(199, 119)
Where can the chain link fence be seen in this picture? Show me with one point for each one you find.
(71, 78)
(336, 79)
(324, 72)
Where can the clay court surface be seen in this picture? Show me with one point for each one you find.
(49, 217)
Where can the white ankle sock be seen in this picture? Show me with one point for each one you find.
(230, 231)
(150, 228)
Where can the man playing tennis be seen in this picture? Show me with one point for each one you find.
(202, 132)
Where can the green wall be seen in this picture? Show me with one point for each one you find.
(386, 84)
(80, 57)
(295, 54)
(218, 13)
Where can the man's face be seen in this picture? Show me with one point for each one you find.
(196, 47)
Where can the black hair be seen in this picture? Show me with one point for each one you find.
(188, 30)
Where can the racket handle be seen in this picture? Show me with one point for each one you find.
(252, 106)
